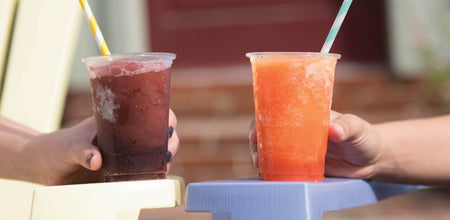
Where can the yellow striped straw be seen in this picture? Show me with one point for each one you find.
(94, 27)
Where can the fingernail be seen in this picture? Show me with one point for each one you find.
(169, 156)
(340, 130)
(89, 159)
(170, 131)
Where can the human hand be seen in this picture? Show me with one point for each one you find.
(253, 143)
(354, 147)
(69, 155)
(63, 157)
(174, 141)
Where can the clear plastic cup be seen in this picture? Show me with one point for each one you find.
(292, 95)
(130, 94)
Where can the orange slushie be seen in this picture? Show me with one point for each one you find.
(293, 93)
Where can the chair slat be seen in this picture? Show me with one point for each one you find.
(7, 8)
(37, 74)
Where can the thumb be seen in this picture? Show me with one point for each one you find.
(86, 154)
(352, 138)
(348, 128)
(89, 157)
(87, 129)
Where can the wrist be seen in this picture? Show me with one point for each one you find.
(386, 166)
(14, 140)
(24, 162)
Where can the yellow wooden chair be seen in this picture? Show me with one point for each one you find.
(37, 45)
(39, 61)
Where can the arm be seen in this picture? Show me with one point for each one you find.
(62, 157)
(419, 150)
(409, 151)
(13, 138)
(65, 156)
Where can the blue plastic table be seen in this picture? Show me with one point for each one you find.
(251, 198)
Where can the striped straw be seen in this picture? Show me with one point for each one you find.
(336, 25)
(94, 27)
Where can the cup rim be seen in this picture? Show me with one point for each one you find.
(136, 55)
(277, 53)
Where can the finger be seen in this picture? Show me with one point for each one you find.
(351, 138)
(253, 144)
(255, 157)
(82, 152)
(174, 143)
(337, 135)
(91, 159)
(336, 132)
(336, 167)
(172, 119)
(334, 115)
(87, 128)
(170, 131)
(348, 127)
(252, 133)
(169, 165)
(86, 154)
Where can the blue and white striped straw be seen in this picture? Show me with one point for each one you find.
(336, 25)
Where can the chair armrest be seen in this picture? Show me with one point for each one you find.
(118, 200)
